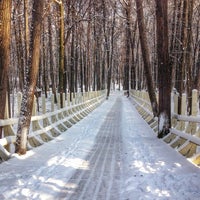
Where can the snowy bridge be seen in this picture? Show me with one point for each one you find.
(112, 153)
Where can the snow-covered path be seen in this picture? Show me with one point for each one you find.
(102, 179)
(111, 154)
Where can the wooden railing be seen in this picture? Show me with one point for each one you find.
(47, 125)
(184, 134)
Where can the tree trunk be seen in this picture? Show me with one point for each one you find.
(197, 79)
(164, 69)
(31, 78)
(19, 50)
(52, 70)
(182, 64)
(127, 45)
(107, 49)
(189, 61)
(146, 58)
(62, 55)
(133, 68)
(76, 57)
(26, 35)
(72, 69)
(81, 68)
(175, 54)
(5, 31)
(110, 71)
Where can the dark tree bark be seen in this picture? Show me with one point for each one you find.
(5, 30)
(196, 66)
(76, 59)
(164, 69)
(19, 49)
(133, 68)
(108, 54)
(72, 68)
(176, 48)
(43, 66)
(197, 73)
(26, 35)
(127, 45)
(97, 45)
(52, 70)
(182, 64)
(81, 69)
(61, 54)
(146, 57)
(31, 78)
(189, 61)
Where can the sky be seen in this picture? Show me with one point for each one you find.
(112, 154)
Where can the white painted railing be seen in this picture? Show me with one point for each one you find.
(184, 135)
(46, 126)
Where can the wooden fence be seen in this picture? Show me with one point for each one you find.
(47, 125)
(184, 134)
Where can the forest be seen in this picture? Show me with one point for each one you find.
(82, 45)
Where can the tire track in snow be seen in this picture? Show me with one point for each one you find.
(102, 179)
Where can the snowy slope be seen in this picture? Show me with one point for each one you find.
(148, 168)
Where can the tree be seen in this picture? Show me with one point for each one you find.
(127, 44)
(31, 78)
(164, 69)
(5, 29)
(181, 66)
(61, 54)
(189, 61)
(52, 71)
(146, 57)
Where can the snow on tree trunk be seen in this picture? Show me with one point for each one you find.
(164, 69)
(31, 78)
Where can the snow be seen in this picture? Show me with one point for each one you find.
(130, 164)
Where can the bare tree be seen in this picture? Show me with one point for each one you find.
(146, 57)
(189, 53)
(61, 53)
(5, 29)
(31, 78)
(164, 69)
(127, 44)
(181, 67)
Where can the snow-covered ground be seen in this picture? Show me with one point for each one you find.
(111, 154)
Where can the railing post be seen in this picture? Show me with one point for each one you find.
(43, 105)
(68, 100)
(58, 103)
(181, 124)
(73, 99)
(194, 102)
(34, 109)
(45, 121)
(175, 98)
(194, 111)
(52, 102)
(64, 103)
(7, 130)
(35, 124)
(53, 118)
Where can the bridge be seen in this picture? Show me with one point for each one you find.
(103, 149)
